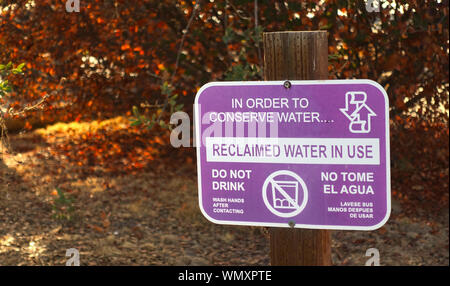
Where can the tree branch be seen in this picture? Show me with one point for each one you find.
(177, 61)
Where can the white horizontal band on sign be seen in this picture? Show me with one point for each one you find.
(326, 151)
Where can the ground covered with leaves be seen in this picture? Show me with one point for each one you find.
(122, 197)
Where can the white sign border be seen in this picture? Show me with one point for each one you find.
(294, 82)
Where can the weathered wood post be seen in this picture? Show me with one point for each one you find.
(297, 56)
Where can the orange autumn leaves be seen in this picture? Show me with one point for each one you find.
(130, 41)
(110, 146)
(116, 54)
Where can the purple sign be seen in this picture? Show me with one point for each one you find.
(306, 154)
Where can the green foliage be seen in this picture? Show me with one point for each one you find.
(242, 72)
(167, 90)
(5, 71)
(171, 105)
(248, 40)
(62, 206)
(5, 87)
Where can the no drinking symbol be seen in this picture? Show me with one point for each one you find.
(284, 193)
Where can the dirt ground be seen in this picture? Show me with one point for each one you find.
(151, 217)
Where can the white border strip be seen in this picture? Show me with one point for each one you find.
(326, 157)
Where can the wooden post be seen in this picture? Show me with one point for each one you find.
(297, 56)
